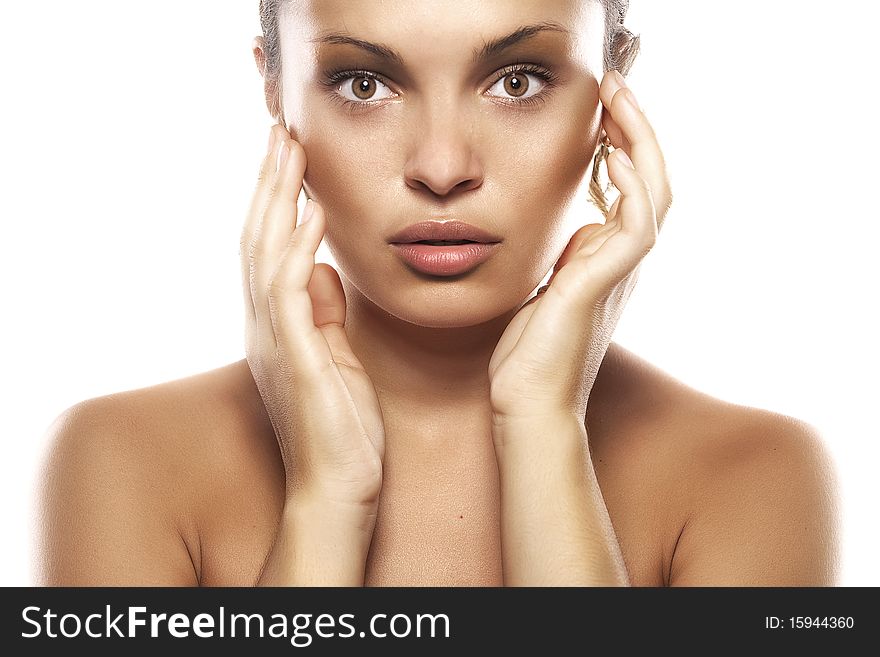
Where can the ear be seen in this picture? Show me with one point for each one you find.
(259, 55)
(271, 85)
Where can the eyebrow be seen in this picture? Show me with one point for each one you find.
(489, 49)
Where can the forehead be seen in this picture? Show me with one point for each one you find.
(452, 10)
(441, 31)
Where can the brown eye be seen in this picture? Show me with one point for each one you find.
(363, 87)
(519, 85)
(516, 84)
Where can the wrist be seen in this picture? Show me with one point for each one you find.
(327, 519)
(319, 543)
(347, 499)
(540, 429)
(535, 449)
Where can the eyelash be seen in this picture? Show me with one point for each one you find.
(545, 74)
(334, 78)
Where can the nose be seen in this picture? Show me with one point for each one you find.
(443, 159)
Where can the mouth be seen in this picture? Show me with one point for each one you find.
(442, 242)
(444, 257)
(443, 233)
(444, 248)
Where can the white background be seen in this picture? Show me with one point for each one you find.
(131, 136)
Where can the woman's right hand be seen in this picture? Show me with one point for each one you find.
(322, 404)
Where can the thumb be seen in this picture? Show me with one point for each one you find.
(328, 311)
(580, 236)
(328, 297)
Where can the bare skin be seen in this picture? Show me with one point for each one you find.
(183, 484)
(216, 479)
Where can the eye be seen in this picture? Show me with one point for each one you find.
(362, 87)
(519, 85)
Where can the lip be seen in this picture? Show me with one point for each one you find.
(443, 230)
(445, 260)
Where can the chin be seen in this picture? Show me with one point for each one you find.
(433, 319)
(453, 308)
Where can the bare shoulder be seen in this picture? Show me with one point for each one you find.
(749, 496)
(132, 481)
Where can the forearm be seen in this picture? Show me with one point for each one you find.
(318, 545)
(555, 528)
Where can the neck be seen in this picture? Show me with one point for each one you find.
(422, 367)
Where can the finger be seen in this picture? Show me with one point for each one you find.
(328, 313)
(590, 246)
(643, 148)
(614, 132)
(577, 240)
(268, 169)
(275, 227)
(291, 309)
(623, 249)
(589, 279)
(258, 202)
(588, 239)
(615, 249)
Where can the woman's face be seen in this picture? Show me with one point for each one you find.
(497, 137)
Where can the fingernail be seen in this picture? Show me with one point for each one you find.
(308, 211)
(283, 152)
(624, 158)
(628, 94)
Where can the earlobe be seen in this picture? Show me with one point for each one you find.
(259, 55)
(601, 140)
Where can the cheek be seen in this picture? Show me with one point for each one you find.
(551, 168)
(348, 172)
(334, 162)
(548, 152)
(542, 173)
(569, 145)
(343, 170)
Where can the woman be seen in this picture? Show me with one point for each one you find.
(424, 416)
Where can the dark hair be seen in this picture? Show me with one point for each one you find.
(620, 49)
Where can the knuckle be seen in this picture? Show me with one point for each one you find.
(255, 252)
(244, 244)
(276, 314)
(276, 188)
(277, 290)
(281, 362)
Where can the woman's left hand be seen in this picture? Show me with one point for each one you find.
(546, 361)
